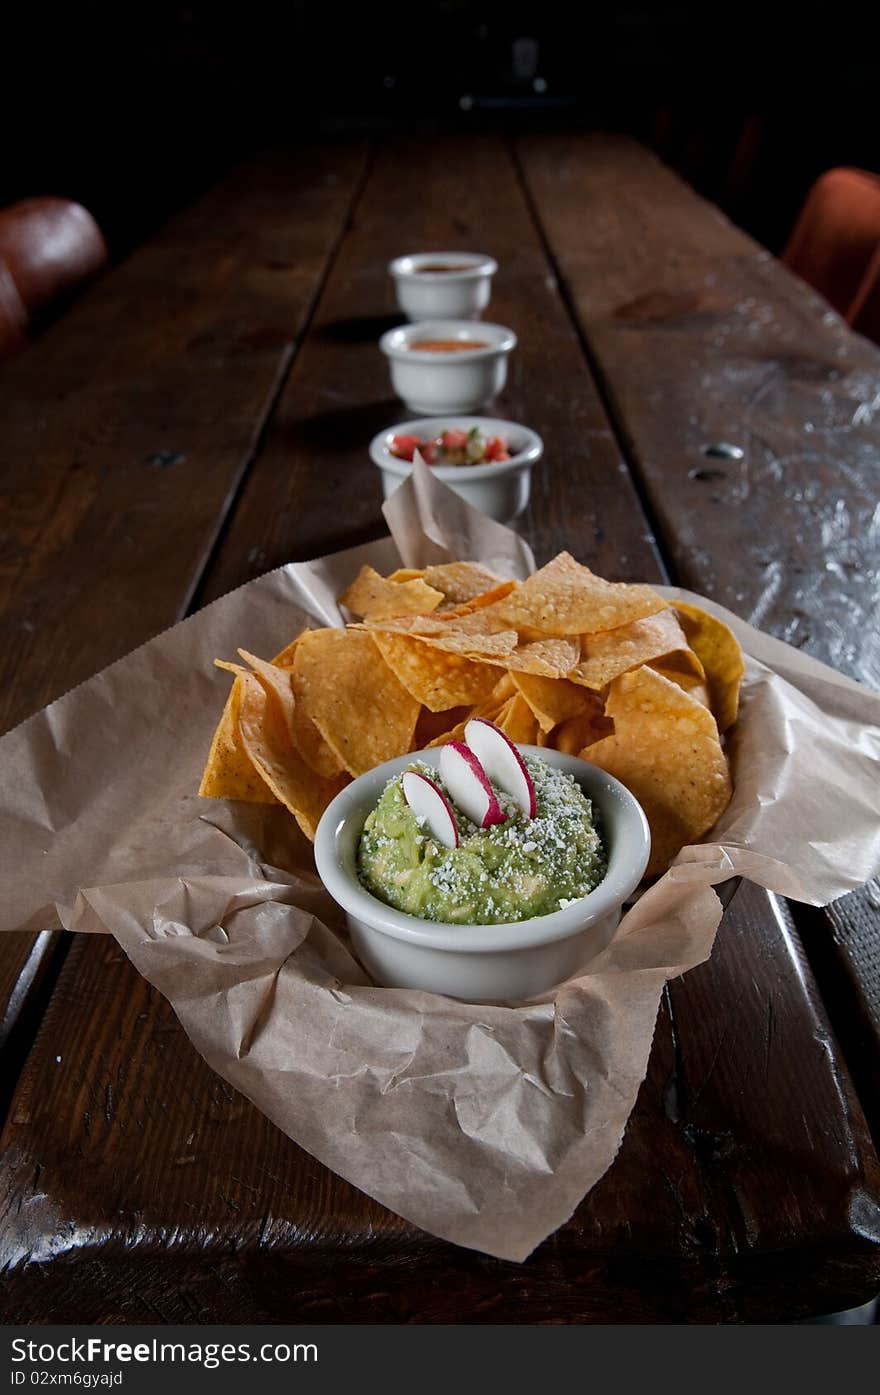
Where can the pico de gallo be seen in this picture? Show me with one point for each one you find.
(455, 447)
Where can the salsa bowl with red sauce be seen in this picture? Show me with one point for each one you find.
(498, 485)
(443, 285)
(446, 366)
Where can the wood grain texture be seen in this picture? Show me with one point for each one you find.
(28, 964)
(700, 336)
(843, 943)
(137, 1186)
(126, 430)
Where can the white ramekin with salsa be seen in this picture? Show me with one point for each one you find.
(445, 366)
(486, 461)
(443, 285)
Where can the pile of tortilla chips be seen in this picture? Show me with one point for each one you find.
(605, 670)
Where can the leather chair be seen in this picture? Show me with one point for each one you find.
(13, 316)
(864, 314)
(836, 235)
(49, 248)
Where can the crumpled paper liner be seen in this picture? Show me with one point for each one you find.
(484, 1125)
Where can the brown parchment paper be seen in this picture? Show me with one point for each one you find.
(485, 1125)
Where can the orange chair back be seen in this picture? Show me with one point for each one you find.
(836, 235)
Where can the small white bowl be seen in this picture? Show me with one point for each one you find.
(462, 294)
(499, 489)
(482, 963)
(442, 381)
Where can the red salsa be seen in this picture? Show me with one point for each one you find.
(454, 447)
(448, 346)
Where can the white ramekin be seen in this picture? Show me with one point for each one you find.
(499, 489)
(443, 382)
(482, 963)
(462, 294)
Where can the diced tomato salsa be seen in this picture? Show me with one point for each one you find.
(453, 447)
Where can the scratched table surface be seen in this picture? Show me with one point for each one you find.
(201, 416)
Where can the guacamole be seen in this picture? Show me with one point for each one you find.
(511, 871)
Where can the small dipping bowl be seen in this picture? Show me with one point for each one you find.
(482, 963)
(443, 285)
(444, 380)
(499, 489)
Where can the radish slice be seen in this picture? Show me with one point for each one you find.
(468, 784)
(429, 804)
(502, 762)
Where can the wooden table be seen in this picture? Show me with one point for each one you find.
(201, 417)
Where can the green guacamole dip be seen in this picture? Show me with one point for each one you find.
(510, 871)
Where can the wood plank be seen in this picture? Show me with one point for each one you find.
(843, 943)
(118, 464)
(170, 1198)
(700, 336)
(126, 430)
(26, 966)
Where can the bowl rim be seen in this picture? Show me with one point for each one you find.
(395, 342)
(474, 266)
(357, 799)
(530, 454)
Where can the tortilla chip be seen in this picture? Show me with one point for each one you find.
(505, 707)
(266, 738)
(549, 658)
(461, 640)
(285, 658)
(692, 683)
(229, 771)
(718, 649)
(566, 598)
(437, 726)
(461, 581)
(407, 574)
(576, 735)
(315, 751)
(517, 721)
(488, 598)
(303, 733)
(505, 687)
(275, 680)
(552, 700)
(363, 712)
(665, 749)
(604, 656)
(470, 635)
(456, 733)
(435, 678)
(371, 595)
(492, 707)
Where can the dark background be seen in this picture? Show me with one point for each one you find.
(134, 107)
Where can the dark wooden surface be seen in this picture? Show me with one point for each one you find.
(135, 1184)
(698, 336)
(118, 469)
